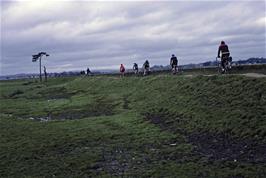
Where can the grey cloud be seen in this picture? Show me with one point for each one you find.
(105, 34)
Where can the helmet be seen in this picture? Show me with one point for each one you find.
(173, 55)
(222, 42)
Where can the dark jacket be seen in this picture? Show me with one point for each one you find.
(146, 64)
(222, 48)
(173, 60)
(135, 67)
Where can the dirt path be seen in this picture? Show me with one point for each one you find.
(256, 75)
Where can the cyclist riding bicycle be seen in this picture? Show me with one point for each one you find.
(135, 68)
(173, 63)
(146, 68)
(225, 57)
(122, 70)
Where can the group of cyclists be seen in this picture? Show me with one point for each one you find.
(146, 67)
(223, 53)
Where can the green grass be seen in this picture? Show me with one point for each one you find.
(155, 126)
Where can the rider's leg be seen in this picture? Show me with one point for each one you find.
(230, 62)
(226, 60)
(174, 69)
(223, 64)
(223, 61)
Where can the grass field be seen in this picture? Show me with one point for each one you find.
(154, 126)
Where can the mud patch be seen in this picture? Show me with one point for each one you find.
(14, 94)
(55, 93)
(121, 162)
(222, 147)
(125, 102)
(212, 146)
(28, 83)
(125, 161)
(165, 119)
(100, 107)
(116, 161)
(71, 114)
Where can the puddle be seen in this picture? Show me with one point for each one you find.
(100, 107)
(41, 119)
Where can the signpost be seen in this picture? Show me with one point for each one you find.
(35, 57)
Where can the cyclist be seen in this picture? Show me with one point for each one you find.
(135, 68)
(122, 70)
(146, 68)
(173, 63)
(223, 49)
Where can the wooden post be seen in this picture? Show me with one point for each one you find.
(40, 68)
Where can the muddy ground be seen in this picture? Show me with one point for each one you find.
(213, 146)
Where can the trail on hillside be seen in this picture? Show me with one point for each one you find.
(254, 75)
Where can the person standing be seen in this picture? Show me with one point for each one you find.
(45, 73)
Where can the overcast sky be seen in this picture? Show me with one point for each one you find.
(101, 35)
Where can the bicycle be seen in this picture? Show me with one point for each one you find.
(174, 69)
(226, 62)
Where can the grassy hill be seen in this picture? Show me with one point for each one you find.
(155, 126)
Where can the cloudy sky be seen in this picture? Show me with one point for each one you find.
(104, 34)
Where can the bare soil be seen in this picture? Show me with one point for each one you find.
(216, 146)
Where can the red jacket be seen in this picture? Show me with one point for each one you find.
(122, 68)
